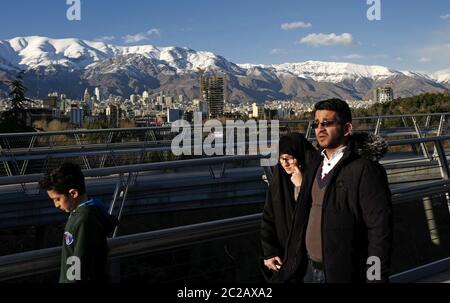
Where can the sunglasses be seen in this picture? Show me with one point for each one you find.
(325, 123)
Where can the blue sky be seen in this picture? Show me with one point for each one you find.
(413, 35)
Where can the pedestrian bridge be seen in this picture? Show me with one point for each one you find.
(198, 219)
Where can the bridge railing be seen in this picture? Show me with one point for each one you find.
(38, 262)
(438, 142)
(127, 175)
(29, 263)
(23, 153)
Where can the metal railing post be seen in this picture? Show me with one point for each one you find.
(308, 130)
(85, 160)
(5, 163)
(124, 192)
(443, 166)
(25, 162)
(425, 152)
(378, 126)
(108, 141)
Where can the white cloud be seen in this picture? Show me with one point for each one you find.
(105, 38)
(154, 31)
(424, 60)
(134, 38)
(345, 39)
(445, 16)
(141, 36)
(277, 51)
(294, 25)
(354, 56)
(398, 59)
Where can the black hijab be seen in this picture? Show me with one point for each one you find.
(296, 145)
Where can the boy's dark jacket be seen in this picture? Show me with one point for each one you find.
(85, 237)
(357, 217)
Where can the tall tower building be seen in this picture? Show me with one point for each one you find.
(384, 94)
(258, 110)
(86, 96)
(212, 90)
(169, 101)
(97, 94)
(145, 95)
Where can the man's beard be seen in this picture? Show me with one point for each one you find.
(336, 141)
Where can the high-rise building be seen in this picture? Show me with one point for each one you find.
(258, 110)
(212, 90)
(86, 96)
(169, 101)
(384, 94)
(145, 95)
(203, 107)
(114, 114)
(174, 114)
(97, 94)
(51, 101)
(76, 115)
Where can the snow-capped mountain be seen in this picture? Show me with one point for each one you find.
(333, 72)
(442, 76)
(71, 65)
(35, 51)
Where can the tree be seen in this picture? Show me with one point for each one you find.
(14, 119)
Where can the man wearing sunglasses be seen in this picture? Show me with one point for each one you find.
(343, 232)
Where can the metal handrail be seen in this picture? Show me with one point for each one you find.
(378, 117)
(418, 140)
(420, 187)
(132, 168)
(97, 172)
(143, 129)
(47, 260)
(421, 272)
(63, 151)
(84, 131)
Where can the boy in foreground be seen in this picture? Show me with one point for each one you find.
(85, 248)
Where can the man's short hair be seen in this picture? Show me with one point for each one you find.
(337, 105)
(64, 178)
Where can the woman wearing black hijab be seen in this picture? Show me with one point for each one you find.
(295, 154)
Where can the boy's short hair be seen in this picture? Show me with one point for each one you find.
(64, 178)
(337, 105)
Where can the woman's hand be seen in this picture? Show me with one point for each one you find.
(273, 263)
(296, 177)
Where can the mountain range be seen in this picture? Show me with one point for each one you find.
(71, 65)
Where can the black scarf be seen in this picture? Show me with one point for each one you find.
(281, 186)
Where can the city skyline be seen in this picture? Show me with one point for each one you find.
(409, 36)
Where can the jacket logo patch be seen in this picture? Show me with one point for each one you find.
(68, 238)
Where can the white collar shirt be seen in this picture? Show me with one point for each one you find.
(329, 163)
